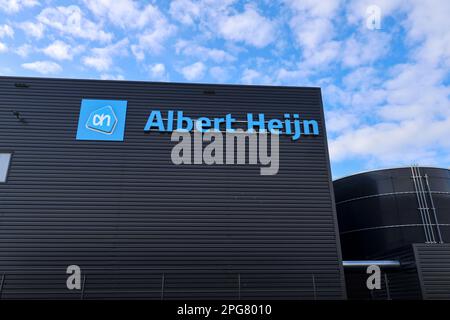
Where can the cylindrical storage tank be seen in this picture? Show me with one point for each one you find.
(386, 209)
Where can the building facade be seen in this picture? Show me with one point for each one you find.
(84, 184)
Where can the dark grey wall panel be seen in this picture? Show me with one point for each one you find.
(141, 227)
(433, 264)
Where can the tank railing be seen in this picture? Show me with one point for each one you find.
(423, 204)
(433, 208)
(427, 208)
(419, 200)
(421, 207)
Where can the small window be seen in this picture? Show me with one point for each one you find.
(5, 159)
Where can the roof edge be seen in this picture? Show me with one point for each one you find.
(382, 169)
(163, 82)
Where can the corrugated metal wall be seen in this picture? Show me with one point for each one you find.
(141, 227)
(433, 265)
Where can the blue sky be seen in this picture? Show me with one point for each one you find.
(386, 90)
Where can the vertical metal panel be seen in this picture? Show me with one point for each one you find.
(127, 215)
(433, 265)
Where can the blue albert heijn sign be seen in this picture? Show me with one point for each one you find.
(102, 120)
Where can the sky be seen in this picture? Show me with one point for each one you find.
(383, 66)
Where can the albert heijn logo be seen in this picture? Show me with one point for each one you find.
(102, 120)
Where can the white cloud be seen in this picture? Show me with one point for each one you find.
(13, 6)
(60, 50)
(322, 56)
(312, 21)
(311, 33)
(427, 24)
(185, 11)
(249, 27)
(35, 30)
(220, 74)
(251, 76)
(3, 47)
(129, 14)
(194, 71)
(204, 13)
(189, 48)
(362, 77)
(152, 39)
(70, 20)
(101, 59)
(409, 107)
(393, 143)
(339, 121)
(158, 71)
(24, 50)
(356, 10)
(397, 123)
(409, 117)
(369, 47)
(313, 28)
(125, 13)
(43, 67)
(290, 76)
(423, 97)
(6, 31)
(220, 19)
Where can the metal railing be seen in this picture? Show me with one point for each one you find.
(423, 196)
(51, 283)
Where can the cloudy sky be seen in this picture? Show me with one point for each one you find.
(386, 91)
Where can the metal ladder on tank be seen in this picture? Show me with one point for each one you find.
(423, 196)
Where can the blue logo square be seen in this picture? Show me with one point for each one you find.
(102, 120)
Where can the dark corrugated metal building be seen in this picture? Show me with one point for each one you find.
(140, 226)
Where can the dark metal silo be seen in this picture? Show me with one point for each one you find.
(381, 210)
